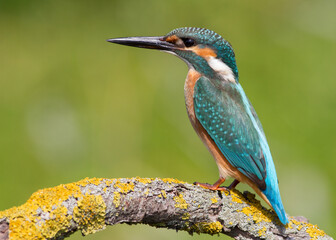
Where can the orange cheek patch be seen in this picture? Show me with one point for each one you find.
(204, 52)
(172, 39)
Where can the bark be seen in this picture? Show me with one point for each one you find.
(91, 204)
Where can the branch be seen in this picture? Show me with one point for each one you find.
(91, 204)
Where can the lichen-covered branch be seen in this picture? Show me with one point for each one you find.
(91, 204)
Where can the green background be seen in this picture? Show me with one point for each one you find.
(74, 106)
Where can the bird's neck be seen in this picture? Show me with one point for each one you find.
(213, 67)
(221, 69)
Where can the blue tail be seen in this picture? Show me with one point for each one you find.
(276, 203)
(279, 209)
(273, 194)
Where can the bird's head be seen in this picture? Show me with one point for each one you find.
(202, 49)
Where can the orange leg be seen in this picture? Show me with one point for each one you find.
(216, 185)
(233, 184)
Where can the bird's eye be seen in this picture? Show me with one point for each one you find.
(188, 42)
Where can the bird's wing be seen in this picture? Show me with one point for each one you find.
(222, 111)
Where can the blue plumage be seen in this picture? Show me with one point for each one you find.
(226, 114)
(222, 113)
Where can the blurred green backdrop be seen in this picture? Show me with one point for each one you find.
(74, 106)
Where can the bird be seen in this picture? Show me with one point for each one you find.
(219, 110)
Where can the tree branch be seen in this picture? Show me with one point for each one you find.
(91, 204)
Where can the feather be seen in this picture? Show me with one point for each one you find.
(222, 113)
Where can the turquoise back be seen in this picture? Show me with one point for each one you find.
(221, 111)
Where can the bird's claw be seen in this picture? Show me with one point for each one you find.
(213, 187)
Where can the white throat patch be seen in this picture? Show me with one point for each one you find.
(221, 68)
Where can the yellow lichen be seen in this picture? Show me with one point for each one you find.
(236, 197)
(298, 224)
(86, 181)
(255, 210)
(116, 199)
(144, 180)
(205, 227)
(20, 228)
(186, 216)
(214, 200)
(59, 219)
(262, 231)
(124, 187)
(171, 180)
(313, 230)
(257, 214)
(180, 202)
(164, 193)
(90, 214)
(299, 227)
(25, 221)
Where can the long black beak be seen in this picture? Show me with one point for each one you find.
(144, 42)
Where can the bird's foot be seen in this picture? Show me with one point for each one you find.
(216, 185)
(211, 186)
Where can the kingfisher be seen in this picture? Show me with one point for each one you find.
(219, 110)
